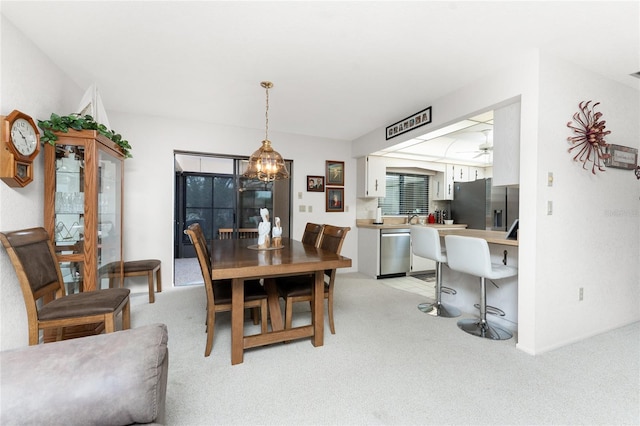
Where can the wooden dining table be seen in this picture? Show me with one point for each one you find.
(240, 260)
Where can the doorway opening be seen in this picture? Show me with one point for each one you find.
(210, 190)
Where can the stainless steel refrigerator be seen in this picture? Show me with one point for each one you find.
(480, 205)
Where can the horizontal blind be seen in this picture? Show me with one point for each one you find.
(405, 193)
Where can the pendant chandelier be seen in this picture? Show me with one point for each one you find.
(266, 164)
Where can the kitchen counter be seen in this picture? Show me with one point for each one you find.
(492, 237)
(398, 223)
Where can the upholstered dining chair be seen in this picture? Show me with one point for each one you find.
(219, 291)
(48, 306)
(299, 288)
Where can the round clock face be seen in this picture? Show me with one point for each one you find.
(23, 137)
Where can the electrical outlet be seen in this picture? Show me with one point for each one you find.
(581, 294)
(549, 208)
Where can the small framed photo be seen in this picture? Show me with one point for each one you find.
(621, 157)
(315, 183)
(335, 199)
(335, 173)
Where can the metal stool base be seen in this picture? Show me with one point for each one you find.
(439, 310)
(486, 330)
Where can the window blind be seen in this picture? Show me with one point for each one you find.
(405, 193)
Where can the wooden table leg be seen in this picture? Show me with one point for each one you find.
(237, 321)
(275, 312)
(318, 310)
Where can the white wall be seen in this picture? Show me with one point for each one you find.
(149, 178)
(596, 216)
(32, 84)
(592, 239)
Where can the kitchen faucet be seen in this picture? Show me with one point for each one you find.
(410, 217)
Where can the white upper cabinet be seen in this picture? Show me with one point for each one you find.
(506, 145)
(372, 173)
(442, 184)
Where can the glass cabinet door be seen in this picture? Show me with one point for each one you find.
(69, 213)
(109, 210)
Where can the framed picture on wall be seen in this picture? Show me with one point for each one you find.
(335, 199)
(315, 183)
(335, 173)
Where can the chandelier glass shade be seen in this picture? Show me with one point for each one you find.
(266, 164)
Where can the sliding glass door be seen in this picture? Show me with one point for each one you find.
(223, 201)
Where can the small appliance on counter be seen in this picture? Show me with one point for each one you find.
(378, 219)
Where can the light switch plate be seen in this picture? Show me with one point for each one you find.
(302, 208)
(310, 209)
(549, 208)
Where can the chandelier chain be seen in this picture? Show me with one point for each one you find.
(266, 116)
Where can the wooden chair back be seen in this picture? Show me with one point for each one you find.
(312, 234)
(224, 233)
(227, 233)
(333, 238)
(194, 231)
(34, 259)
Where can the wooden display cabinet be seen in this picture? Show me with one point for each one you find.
(84, 175)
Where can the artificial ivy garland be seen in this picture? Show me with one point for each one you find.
(79, 122)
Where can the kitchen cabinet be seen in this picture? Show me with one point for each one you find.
(442, 184)
(369, 251)
(371, 177)
(460, 173)
(467, 173)
(83, 189)
(476, 173)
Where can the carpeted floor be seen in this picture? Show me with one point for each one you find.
(388, 364)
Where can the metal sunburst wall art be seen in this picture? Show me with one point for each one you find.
(589, 136)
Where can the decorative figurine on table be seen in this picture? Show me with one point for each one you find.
(276, 233)
(264, 229)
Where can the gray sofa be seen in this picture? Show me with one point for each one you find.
(110, 379)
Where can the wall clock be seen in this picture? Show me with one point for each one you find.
(19, 146)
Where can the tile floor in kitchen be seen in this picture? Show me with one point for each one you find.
(423, 284)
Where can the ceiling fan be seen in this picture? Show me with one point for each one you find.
(484, 148)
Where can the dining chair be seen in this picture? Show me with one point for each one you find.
(219, 291)
(312, 234)
(299, 288)
(48, 306)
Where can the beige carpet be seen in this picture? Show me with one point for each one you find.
(388, 364)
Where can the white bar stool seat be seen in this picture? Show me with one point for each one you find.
(425, 242)
(471, 256)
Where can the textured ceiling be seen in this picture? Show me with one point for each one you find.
(340, 69)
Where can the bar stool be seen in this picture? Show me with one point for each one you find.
(135, 268)
(425, 242)
(471, 256)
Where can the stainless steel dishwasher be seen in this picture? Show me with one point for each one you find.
(395, 252)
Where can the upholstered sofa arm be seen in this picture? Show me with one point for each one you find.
(111, 379)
